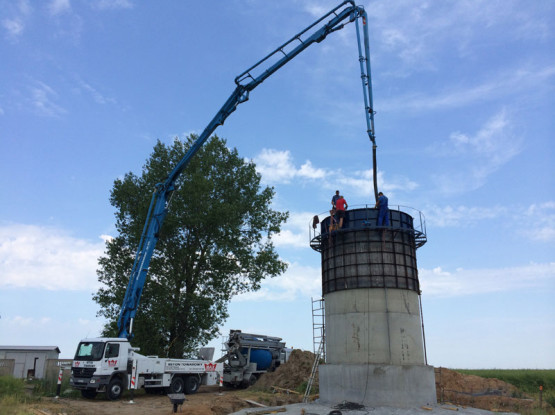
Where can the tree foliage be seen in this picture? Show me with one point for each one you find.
(215, 243)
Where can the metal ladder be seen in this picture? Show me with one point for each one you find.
(318, 321)
(313, 372)
(318, 341)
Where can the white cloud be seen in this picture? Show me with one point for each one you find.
(64, 333)
(298, 281)
(19, 11)
(482, 154)
(43, 100)
(19, 321)
(24, 7)
(535, 222)
(97, 96)
(500, 85)
(57, 7)
(316, 10)
(113, 4)
(295, 231)
(305, 281)
(417, 33)
(449, 216)
(47, 258)
(277, 166)
(309, 172)
(14, 27)
(493, 141)
(441, 283)
(540, 222)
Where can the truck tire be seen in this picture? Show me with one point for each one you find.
(89, 393)
(192, 383)
(253, 380)
(114, 389)
(177, 385)
(249, 382)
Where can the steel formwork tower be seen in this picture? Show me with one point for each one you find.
(375, 348)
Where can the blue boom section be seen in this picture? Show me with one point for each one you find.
(245, 82)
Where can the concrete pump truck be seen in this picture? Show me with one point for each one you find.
(110, 365)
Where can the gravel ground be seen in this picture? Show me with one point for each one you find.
(318, 409)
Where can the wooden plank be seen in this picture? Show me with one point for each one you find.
(285, 390)
(266, 411)
(254, 403)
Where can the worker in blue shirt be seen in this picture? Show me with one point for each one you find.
(383, 212)
(334, 199)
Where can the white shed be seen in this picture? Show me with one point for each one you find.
(29, 361)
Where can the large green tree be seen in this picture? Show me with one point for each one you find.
(216, 242)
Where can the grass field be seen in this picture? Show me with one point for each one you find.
(17, 394)
(528, 381)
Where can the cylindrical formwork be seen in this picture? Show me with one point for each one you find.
(373, 327)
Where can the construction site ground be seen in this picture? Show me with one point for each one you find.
(277, 393)
(212, 401)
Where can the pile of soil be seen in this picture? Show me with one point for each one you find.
(478, 392)
(290, 375)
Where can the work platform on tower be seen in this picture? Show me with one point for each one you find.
(366, 218)
(364, 255)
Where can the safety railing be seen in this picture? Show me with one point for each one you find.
(365, 217)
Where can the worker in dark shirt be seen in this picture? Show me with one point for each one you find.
(334, 199)
(383, 212)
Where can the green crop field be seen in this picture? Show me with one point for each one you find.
(528, 381)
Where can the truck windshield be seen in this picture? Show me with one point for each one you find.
(89, 351)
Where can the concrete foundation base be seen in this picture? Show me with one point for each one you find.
(378, 385)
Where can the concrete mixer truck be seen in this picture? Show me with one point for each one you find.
(248, 356)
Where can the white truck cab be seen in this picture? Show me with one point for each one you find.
(106, 365)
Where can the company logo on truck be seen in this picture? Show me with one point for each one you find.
(210, 367)
(112, 363)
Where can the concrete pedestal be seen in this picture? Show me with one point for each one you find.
(377, 385)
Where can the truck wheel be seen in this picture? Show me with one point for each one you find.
(114, 390)
(88, 393)
(249, 382)
(177, 385)
(192, 383)
(253, 380)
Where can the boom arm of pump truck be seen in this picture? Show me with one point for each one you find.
(245, 83)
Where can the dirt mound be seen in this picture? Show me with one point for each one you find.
(471, 384)
(290, 375)
(478, 392)
(220, 405)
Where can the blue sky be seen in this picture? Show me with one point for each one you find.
(464, 99)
